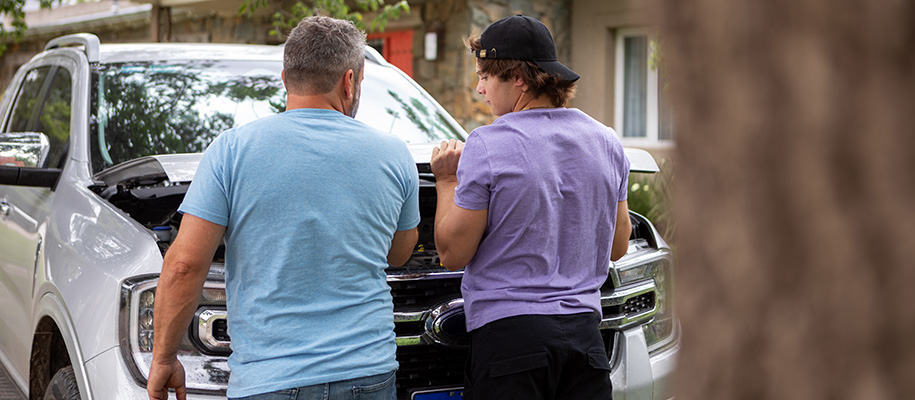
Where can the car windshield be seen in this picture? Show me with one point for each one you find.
(149, 108)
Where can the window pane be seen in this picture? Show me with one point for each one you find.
(169, 108)
(54, 120)
(635, 86)
(665, 123)
(23, 117)
(142, 108)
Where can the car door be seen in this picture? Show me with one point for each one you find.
(42, 105)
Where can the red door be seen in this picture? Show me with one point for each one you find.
(396, 47)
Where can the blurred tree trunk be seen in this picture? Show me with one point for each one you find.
(795, 197)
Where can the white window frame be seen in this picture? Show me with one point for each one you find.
(652, 114)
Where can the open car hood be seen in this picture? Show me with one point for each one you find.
(150, 170)
(639, 160)
(178, 168)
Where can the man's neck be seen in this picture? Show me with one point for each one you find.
(525, 103)
(322, 101)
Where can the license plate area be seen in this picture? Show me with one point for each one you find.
(439, 394)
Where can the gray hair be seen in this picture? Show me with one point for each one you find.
(318, 51)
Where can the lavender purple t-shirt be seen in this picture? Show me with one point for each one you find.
(551, 180)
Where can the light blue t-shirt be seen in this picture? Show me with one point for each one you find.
(310, 199)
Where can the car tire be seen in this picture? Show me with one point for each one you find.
(63, 386)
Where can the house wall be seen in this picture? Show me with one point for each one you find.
(593, 55)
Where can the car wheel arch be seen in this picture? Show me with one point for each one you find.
(54, 346)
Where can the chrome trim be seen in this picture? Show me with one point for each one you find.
(206, 320)
(445, 389)
(432, 321)
(406, 276)
(621, 296)
(435, 322)
(409, 340)
(638, 257)
(616, 350)
(412, 316)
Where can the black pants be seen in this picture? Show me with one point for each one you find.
(538, 357)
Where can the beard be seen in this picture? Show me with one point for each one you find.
(357, 92)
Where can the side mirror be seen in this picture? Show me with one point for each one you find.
(23, 149)
(22, 156)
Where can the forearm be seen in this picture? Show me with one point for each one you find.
(443, 232)
(177, 297)
(402, 246)
(444, 190)
(622, 232)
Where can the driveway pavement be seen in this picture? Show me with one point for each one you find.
(8, 390)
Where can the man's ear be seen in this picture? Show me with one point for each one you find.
(349, 84)
(283, 78)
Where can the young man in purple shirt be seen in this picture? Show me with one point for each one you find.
(534, 206)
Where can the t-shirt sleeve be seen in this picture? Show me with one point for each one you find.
(474, 176)
(623, 166)
(207, 196)
(624, 186)
(409, 212)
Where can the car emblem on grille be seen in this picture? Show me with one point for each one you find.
(445, 324)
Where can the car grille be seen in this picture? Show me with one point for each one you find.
(425, 365)
(424, 293)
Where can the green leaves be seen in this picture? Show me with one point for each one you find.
(284, 20)
(13, 10)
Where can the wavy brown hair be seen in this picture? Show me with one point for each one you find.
(539, 82)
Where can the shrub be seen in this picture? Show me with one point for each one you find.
(649, 195)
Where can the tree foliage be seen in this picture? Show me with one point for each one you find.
(285, 20)
(15, 31)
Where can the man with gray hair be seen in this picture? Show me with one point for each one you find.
(307, 238)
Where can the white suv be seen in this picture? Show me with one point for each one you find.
(97, 146)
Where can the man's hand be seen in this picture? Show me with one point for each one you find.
(445, 160)
(163, 376)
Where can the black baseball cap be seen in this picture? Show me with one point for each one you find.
(523, 38)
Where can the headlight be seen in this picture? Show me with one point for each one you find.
(204, 349)
(654, 268)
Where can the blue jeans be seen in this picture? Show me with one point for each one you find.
(377, 387)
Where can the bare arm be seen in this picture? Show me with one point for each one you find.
(622, 232)
(458, 231)
(402, 246)
(183, 274)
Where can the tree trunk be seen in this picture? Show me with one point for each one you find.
(795, 197)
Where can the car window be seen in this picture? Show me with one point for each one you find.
(148, 108)
(157, 108)
(393, 104)
(25, 110)
(54, 116)
(43, 105)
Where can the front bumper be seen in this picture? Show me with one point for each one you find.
(110, 379)
(638, 376)
(635, 375)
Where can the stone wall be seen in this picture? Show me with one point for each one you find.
(451, 79)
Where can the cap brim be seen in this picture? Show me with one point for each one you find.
(557, 69)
